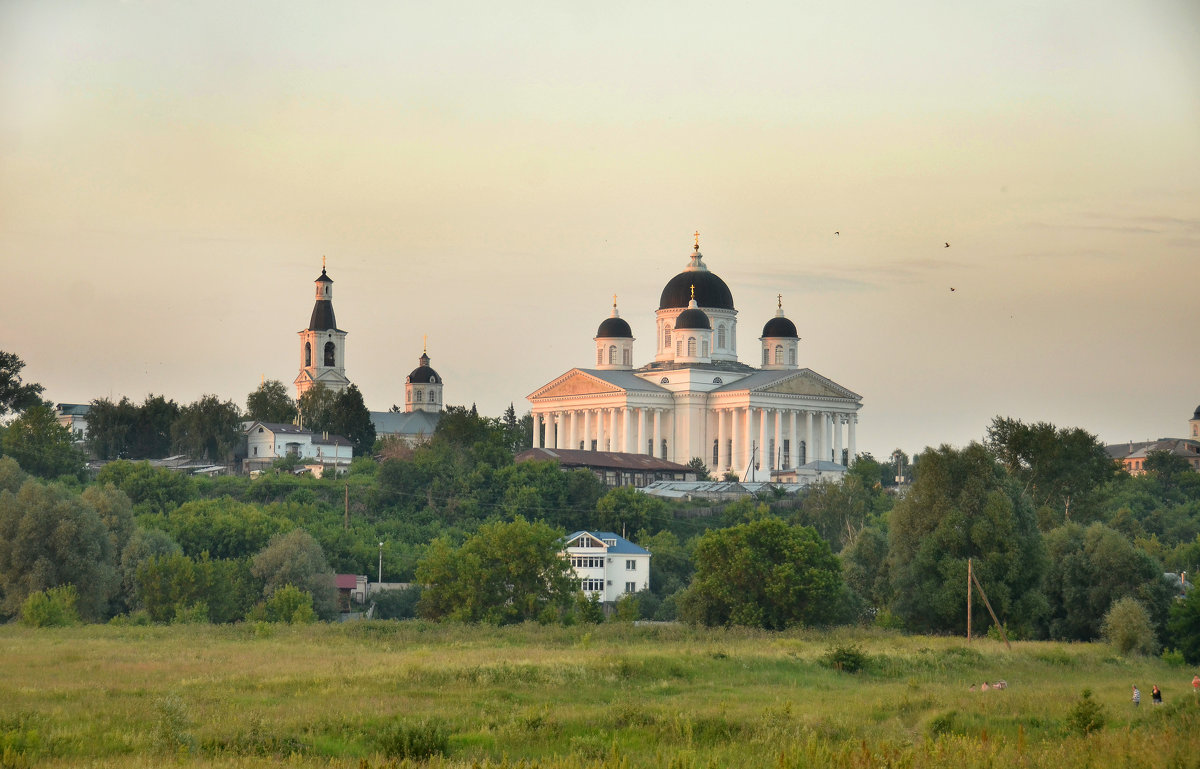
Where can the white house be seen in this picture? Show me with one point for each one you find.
(73, 416)
(269, 441)
(608, 565)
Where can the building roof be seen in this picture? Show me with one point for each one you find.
(1183, 447)
(423, 374)
(711, 291)
(73, 409)
(626, 380)
(345, 581)
(409, 423)
(323, 278)
(322, 317)
(281, 427)
(332, 439)
(692, 317)
(780, 326)
(621, 545)
(614, 460)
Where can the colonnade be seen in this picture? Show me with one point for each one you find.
(773, 434)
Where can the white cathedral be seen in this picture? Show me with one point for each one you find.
(695, 399)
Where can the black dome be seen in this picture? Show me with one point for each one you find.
(1197, 414)
(780, 326)
(322, 316)
(711, 291)
(693, 318)
(423, 374)
(614, 328)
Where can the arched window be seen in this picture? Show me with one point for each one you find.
(627, 357)
(678, 348)
(420, 396)
(792, 356)
(612, 355)
(779, 353)
(433, 396)
(766, 354)
(704, 349)
(721, 337)
(664, 449)
(691, 347)
(599, 356)
(307, 354)
(716, 450)
(667, 337)
(330, 353)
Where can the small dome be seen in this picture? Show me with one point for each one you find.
(780, 327)
(1197, 414)
(692, 317)
(324, 278)
(614, 328)
(423, 374)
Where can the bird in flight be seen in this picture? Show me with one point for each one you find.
(837, 233)
(952, 288)
(947, 245)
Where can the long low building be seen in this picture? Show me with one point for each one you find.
(613, 468)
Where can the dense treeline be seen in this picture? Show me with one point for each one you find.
(1056, 533)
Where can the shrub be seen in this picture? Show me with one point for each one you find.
(1128, 628)
(1086, 714)
(51, 608)
(397, 604)
(588, 609)
(846, 658)
(292, 605)
(419, 741)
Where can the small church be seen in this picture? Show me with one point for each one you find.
(695, 398)
(323, 361)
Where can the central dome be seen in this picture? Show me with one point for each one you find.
(711, 291)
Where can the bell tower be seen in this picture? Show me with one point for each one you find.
(322, 344)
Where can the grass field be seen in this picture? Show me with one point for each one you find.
(369, 693)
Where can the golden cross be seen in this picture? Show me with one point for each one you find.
(693, 292)
(425, 344)
(780, 296)
(322, 262)
(614, 301)
(697, 238)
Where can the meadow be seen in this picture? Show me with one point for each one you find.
(383, 694)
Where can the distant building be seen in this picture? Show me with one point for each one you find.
(607, 565)
(613, 468)
(1132, 455)
(695, 398)
(322, 344)
(73, 416)
(423, 401)
(268, 441)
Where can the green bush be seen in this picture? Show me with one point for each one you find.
(51, 608)
(589, 609)
(1086, 714)
(418, 741)
(292, 605)
(1128, 628)
(848, 658)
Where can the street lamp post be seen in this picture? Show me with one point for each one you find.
(381, 564)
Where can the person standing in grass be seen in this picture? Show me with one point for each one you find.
(1137, 696)
(1156, 695)
(1195, 684)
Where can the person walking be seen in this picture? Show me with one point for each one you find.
(1137, 696)
(1156, 695)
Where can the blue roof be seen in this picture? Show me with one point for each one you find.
(622, 546)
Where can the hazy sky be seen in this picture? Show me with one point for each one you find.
(489, 174)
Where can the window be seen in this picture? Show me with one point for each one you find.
(330, 353)
(610, 542)
(650, 446)
(587, 562)
(630, 587)
(592, 585)
(420, 396)
(765, 354)
(779, 353)
(307, 354)
(721, 337)
(716, 450)
(803, 452)
(664, 380)
(630, 564)
(256, 449)
(260, 429)
(792, 356)
(599, 356)
(704, 349)
(787, 453)
(691, 347)
(612, 355)
(664, 449)
(433, 396)
(678, 348)
(627, 357)
(667, 337)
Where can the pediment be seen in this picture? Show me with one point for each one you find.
(807, 382)
(572, 383)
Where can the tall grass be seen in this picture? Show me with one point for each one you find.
(383, 694)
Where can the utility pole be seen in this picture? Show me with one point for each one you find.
(346, 524)
(970, 576)
(381, 565)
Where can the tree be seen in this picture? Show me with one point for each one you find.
(350, 417)
(1061, 468)
(762, 574)
(49, 537)
(627, 509)
(696, 465)
(295, 558)
(672, 564)
(15, 396)
(207, 429)
(963, 506)
(151, 489)
(41, 445)
(839, 511)
(109, 427)
(1185, 626)
(271, 402)
(1127, 627)
(315, 405)
(223, 528)
(505, 573)
(151, 436)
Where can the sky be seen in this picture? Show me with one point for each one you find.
(487, 175)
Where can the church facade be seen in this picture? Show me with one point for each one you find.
(322, 344)
(695, 398)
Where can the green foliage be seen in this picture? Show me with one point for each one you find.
(864, 566)
(224, 528)
(628, 608)
(588, 609)
(840, 511)
(627, 509)
(271, 402)
(207, 429)
(397, 604)
(1127, 627)
(1086, 715)
(762, 574)
(506, 572)
(848, 658)
(54, 607)
(696, 465)
(11, 475)
(413, 742)
(50, 536)
(16, 395)
(296, 559)
(963, 506)
(348, 415)
(672, 564)
(151, 489)
(1184, 626)
(41, 446)
(291, 605)
(173, 583)
(124, 430)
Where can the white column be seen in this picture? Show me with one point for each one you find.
(587, 429)
(640, 448)
(764, 441)
(657, 433)
(570, 420)
(793, 437)
(625, 429)
(537, 430)
(827, 441)
(749, 457)
(837, 438)
(722, 452)
(851, 421)
(808, 437)
(777, 455)
(600, 430)
(614, 427)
